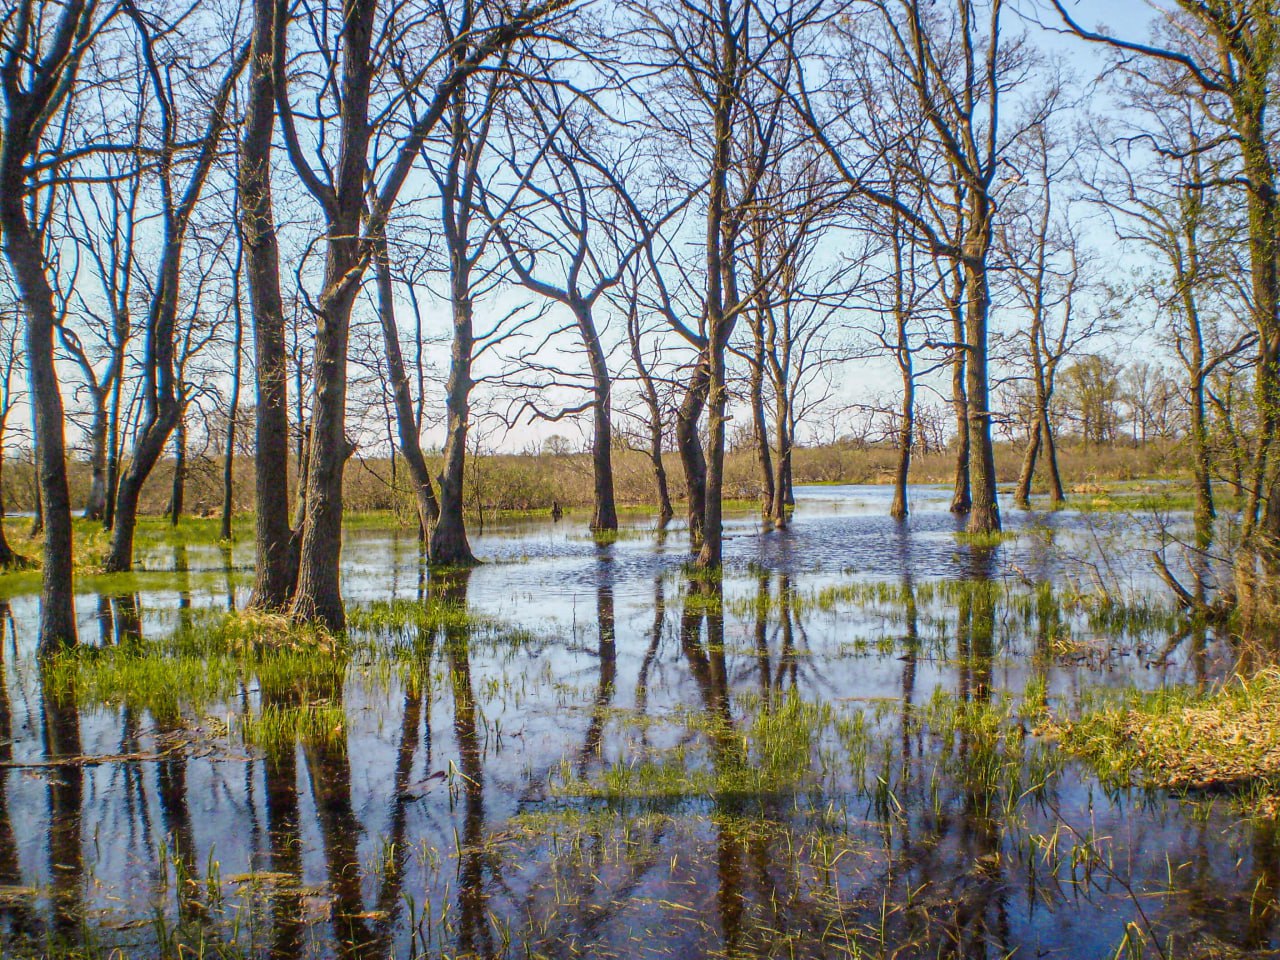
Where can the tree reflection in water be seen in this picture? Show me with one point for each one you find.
(913, 823)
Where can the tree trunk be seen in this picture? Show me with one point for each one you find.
(22, 249)
(113, 448)
(9, 559)
(1022, 496)
(665, 512)
(406, 420)
(961, 499)
(1201, 456)
(96, 504)
(605, 516)
(712, 552)
(689, 445)
(984, 516)
(275, 547)
(179, 489)
(449, 546)
(906, 440)
(37, 516)
(1050, 459)
(764, 458)
(782, 479)
(146, 453)
(317, 596)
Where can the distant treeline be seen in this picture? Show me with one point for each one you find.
(533, 482)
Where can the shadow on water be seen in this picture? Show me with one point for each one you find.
(580, 749)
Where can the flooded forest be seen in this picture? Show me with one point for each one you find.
(678, 479)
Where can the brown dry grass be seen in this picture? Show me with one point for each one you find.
(1224, 740)
(533, 482)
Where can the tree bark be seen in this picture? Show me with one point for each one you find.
(984, 516)
(712, 552)
(1022, 495)
(113, 448)
(764, 458)
(961, 498)
(906, 440)
(96, 503)
(275, 547)
(449, 546)
(1050, 458)
(689, 445)
(9, 558)
(177, 495)
(782, 480)
(23, 251)
(1201, 455)
(605, 514)
(318, 594)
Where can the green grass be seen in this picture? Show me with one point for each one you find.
(991, 538)
(774, 754)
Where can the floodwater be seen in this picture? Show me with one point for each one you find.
(836, 753)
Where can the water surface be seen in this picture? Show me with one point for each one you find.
(835, 752)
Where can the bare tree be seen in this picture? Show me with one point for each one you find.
(1223, 58)
(274, 546)
(958, 67)
(102, 222)
(1047, 273)
(178, 197)
(571, 239)
(356, 202)
(1158, 180)
(719, 60)
(43, 48)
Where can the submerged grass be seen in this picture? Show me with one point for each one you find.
(775, 753)
(1041, 605)
(992, 538)
(274, 682)
(213, 663)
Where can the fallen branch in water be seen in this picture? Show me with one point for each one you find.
(1216, 612)
(85, 760)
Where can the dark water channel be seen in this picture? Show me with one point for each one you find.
(579, 751)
